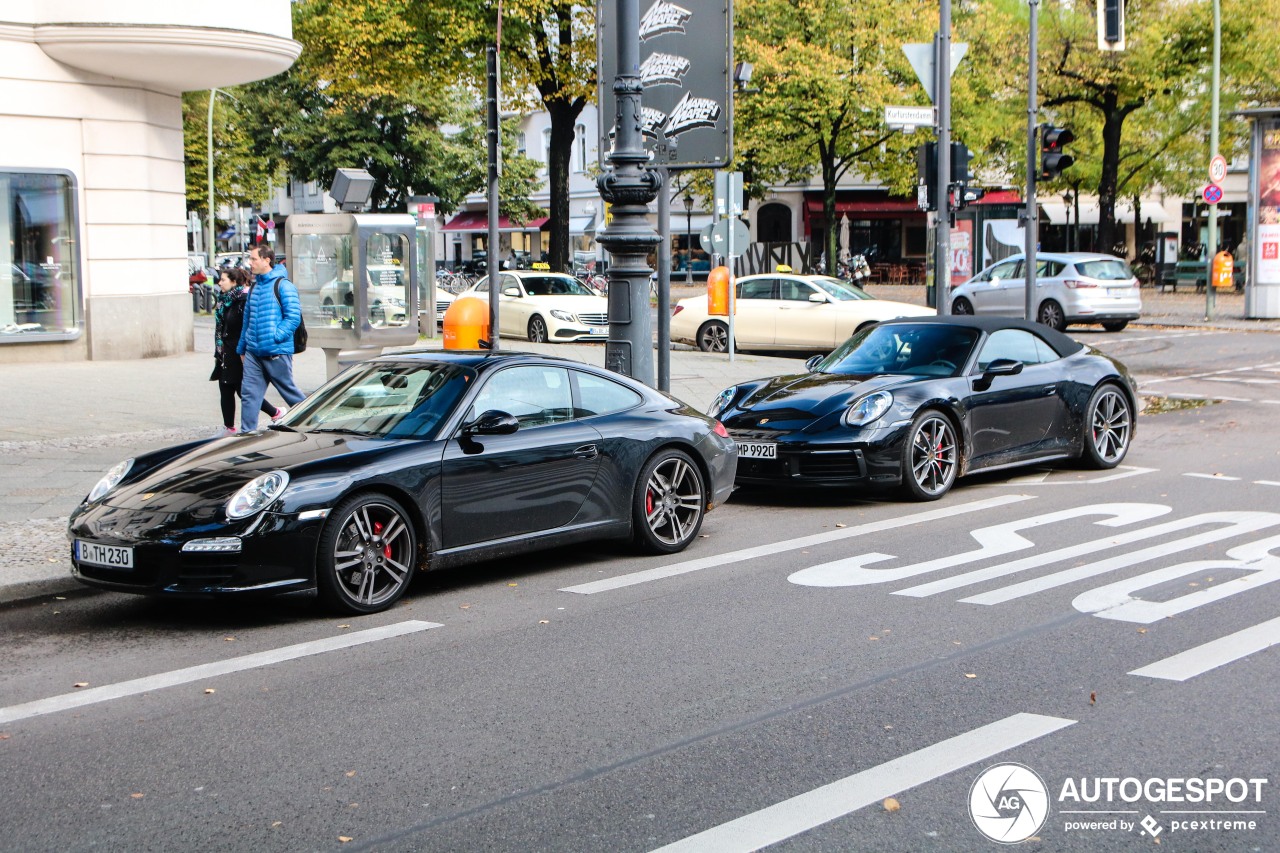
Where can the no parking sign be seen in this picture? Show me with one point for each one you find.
(1212, 194)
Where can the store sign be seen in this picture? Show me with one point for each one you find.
(686, 56)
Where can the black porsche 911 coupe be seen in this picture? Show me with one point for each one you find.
(410, 461)
(919, 402)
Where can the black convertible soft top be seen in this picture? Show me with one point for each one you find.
(1060, 343)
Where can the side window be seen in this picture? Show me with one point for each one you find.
(757, 288)
(598, 396)
(793, 290)
(1004, 270)
(1012, 343)
(535, 394)
(1049, 269)
(1045, 352)
(508, 280)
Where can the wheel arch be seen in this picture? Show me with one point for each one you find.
(422, 535)
(685, 447)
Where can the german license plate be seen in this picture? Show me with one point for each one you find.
(111, 556)
(601, 331)
(757, 450)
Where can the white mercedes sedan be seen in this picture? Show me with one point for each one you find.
(546, 306)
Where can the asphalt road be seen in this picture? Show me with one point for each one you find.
(808, 658)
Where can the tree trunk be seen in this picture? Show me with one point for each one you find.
(559, 161)
(1112, 125)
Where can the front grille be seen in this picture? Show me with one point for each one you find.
(443, 305)
(799, 466)
(769, 468)
(845, 464)
(593, 319)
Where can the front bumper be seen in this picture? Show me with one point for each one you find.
(875, 459)
(277, 554)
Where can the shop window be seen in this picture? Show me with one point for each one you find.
(40, 288)
(916, 240)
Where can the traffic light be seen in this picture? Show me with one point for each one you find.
(960, 158)
(1111, 25)
(1052, 158)
(927, 170)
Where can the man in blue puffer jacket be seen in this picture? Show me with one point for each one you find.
(266, 343)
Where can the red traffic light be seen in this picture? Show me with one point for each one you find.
(1052, 158)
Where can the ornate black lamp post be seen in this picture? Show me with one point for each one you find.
(629, 185)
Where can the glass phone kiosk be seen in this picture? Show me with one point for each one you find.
(357, 279)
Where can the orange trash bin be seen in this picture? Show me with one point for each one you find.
(466, 323)
(718, 292)
(1223, 270)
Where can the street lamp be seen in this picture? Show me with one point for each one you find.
(688, 228)
(1066, 201)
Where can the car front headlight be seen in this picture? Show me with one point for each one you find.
(562, 315)
(867, 409)
(722, 401)
(110, 480)
(257, 494)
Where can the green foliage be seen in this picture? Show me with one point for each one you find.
(241, 176)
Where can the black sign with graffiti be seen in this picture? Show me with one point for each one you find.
(686, 63)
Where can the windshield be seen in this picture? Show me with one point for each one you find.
(917, 350)
(385, 400)
(839, 290)
(1116, 270)
(556, 285)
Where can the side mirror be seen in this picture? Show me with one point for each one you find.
(817, 297)
(1003, 367)
(812, 362)
(492, 422)
(511, 290)
(995, 279)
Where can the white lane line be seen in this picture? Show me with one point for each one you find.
(662, 572)
(1216, 653)
(1265, 483)
(1039, 479)
(149, 683)
(1209, 476)
(845, 796)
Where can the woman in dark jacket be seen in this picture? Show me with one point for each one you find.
(228, 320)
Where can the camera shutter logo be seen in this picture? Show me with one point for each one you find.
(1008, 803)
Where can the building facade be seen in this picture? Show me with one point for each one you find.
(92, 181)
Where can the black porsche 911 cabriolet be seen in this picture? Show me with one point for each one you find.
(410, 461)
(919, 402)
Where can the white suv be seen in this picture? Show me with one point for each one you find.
(1071, 288)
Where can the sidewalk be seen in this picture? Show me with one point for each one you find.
(64, 425)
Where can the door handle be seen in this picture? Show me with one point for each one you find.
(1050, 390)
(586, 451)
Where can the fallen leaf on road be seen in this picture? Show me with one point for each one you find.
(1142, 630)
(276, 823)
(344, 626)
(891, 805)
(228, 639)
(344, 838)
(350, 773)
(208, 690)
(4, 735)
(955, 642)
(544, 621)
(971, 675)
(704, 536)
(464, 606)
(137, 796)
(888, 727)
(64, 598)
(873, 638)
(1093, 698)
(838, 524)
(81, 684)
(513, 584)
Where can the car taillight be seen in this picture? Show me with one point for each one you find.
(1077, 285)
(720, 430)
(676, 309)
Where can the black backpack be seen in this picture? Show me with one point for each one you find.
(300, 333)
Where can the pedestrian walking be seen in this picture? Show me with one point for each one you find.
(272, 315)
(228, 321)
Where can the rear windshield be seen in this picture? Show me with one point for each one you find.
(1116, 270)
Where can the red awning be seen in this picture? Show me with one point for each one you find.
(478, 220)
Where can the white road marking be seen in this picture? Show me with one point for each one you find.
(1242, 381)
(1235, 524)
(1216, 653)
(1040, 479)
(662, 572)
(994, 541)
(149, 683)
(1210, 373)
(1209, 476)
(1265, 483)
(845, 796)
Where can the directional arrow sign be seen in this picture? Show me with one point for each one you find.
(921, 58)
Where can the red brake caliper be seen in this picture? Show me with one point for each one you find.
(386, 549)
(648, 501)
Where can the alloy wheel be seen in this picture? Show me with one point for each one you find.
(933, 457)
(1051, 315)
(673, 501)
(538, 330)
(1110, 425)
(373, 554)
(714, 337)
(962, 306)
